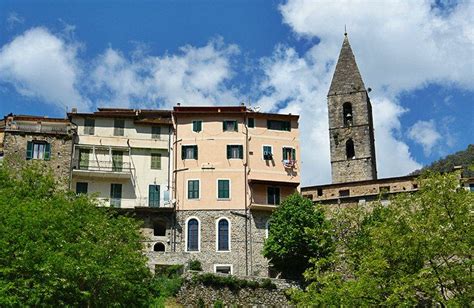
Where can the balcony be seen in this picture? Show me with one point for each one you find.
(263, 207)
(140, 204)
(103, 169)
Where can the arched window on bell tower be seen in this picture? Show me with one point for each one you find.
(347, 113)
(350, 152)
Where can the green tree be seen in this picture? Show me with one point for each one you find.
(60, 249)
(298, 231)
(417, 250)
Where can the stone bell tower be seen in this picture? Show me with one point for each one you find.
(351, 129)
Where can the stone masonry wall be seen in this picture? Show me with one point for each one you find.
(61, 150)
(192, 293)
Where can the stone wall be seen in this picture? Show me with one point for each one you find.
(192, 293)
(61, 148)
(244, 257)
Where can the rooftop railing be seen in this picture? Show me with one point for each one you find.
(40, 128)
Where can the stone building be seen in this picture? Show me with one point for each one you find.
(352, 143)
(232, 166)
(124, 157)
(41, 139)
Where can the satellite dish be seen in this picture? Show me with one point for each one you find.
(257, 108)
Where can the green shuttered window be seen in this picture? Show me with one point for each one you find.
(197, 126)
(155, 161)
(223, 189)
(38, 150)
(154, 195)
(193, 189)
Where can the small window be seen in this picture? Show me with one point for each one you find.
(350, 151)
(223, 269)
(189, 152)
(159, 247)
(115, 195)
(197, 126)
(38, 150)
(159, 228)
(193, 189)
(193, 235)
(89, 126)
(81, 187)
(154, 195)
(119, 126)
(289, 154)
(223, 235)
(273, 195)
(415, 186)
(251, 122)
(279, 125)
(347, 114)
(320, 192)
(344, 193)
(223, 189)
(267, 152)
(229, 126)
(235, 152)
(156, 132)
(155, 161)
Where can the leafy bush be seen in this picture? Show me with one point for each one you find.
(59, 249)
(218, 304)
(195, 265)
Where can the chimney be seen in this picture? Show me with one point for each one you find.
(74, 110)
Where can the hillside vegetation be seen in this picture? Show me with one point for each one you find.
(463, 158)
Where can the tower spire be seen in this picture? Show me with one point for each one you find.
(347, 78)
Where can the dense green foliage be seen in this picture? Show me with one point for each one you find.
(231, 282)
(166, 284)
(298, 232)
(417, 250)
(60, 249)
(195, 265)
(463, 158)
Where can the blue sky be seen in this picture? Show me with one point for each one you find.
(416, 56)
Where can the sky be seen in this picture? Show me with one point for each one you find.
(416, 56)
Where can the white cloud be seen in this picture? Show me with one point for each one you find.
(399, 46)
(194, 76)
(425, 134)
(41, 65)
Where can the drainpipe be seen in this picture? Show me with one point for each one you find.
(175, 134)
(246, 196)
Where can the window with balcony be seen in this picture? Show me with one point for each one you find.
(193, 189)
(273, 195)
(223, 189)
(192, 238)
(115, 195)
(117, 161)
(81, 188)
(84, 159)
(235, 152)
(189, 152)
(38, 150)
(155, 161)
(223, 235)
(279, 125)
(154, 195)
(197, 126)
(267, 152)
(289, 154)
(229, 126)
(119, 127)
(89, 126)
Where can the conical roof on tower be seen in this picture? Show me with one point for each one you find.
(347, 78)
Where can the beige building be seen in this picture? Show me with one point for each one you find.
(232, 167)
